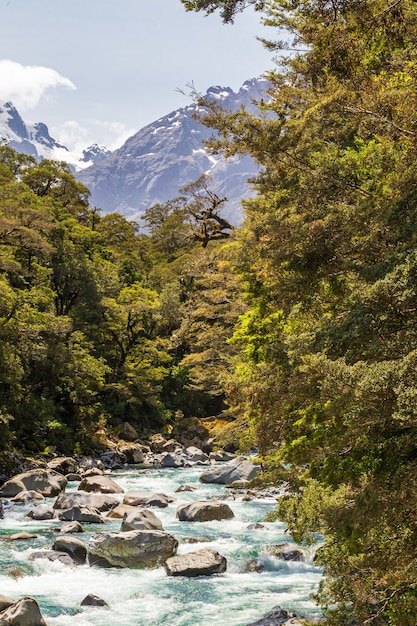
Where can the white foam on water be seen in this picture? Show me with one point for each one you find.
(149, 597)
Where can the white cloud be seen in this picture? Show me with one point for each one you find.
(78, 137)
(114, 133)
(24, 85)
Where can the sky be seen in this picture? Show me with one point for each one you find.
(96, 71)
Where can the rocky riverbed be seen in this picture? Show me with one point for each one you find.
(149, 545)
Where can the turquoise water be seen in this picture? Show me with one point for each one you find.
(150, 597)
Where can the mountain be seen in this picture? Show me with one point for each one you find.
(161, 158)
(34, 139)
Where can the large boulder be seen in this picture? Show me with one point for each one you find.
(102, 484)
(72, 546)
(44, 481)
(71, 528)
(24, 612)
(140, 498)
(204, 511)
(194, 454)
(136, 549)
(5, 602)
(12, 463)
(42, 512)
(201, 563)
(63, 465)
(23, 497)
(82, 513)
(133, 453)
(173, 459)
(221, 456)
(239, 470)
(141, 519)
(98, 501)
(112, 459)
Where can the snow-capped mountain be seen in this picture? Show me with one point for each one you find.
(161, 158)
(34, 139)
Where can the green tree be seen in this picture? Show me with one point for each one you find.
(227, 8)
(328, 252)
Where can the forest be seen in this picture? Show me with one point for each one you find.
(298, 329)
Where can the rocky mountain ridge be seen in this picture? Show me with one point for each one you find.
(168, 154)
(153, 164)
(34, 139)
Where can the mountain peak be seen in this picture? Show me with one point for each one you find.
(156, 162)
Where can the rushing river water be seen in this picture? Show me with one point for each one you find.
(149, 597)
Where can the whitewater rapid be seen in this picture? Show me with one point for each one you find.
(149, 597)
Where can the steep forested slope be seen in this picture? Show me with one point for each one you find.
(328, 364)
(98, 324)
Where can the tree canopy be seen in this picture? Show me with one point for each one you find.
(326, 373)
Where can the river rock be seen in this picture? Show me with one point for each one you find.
(221, 456)
(141, 519)
(276, 617)
(24, 612)
(27, 496)
(5, 602)
(103, 484)
(42, 512)
(286, 552)
(72, 546)
(173, 459)
(136, 549)
(20, 537)
(182, 488)
(44, 481)
(201, 563)
(73, 478)
(1, 509)
(51, 555)
(255, 526)
(204, 511)
(71, 528)
(156, 442)
(133, 453)
(98, 501)
(92, 600)
(64, 465)
(82, 513)
(140, 498)
(254, 565)
(237, 470)
(93, 471)
(195, 454)
(120, 510)
(112, 459)
(86, 462)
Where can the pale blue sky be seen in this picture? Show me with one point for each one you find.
(117, 64)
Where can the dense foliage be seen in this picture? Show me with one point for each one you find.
(328, 365)
(100, 325)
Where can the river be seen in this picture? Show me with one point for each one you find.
(149, 597)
